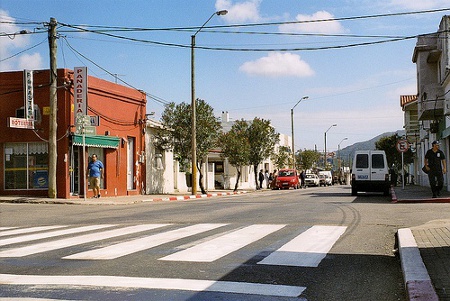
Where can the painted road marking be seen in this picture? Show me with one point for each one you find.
(73, 241)
(307, 249)
(223, 245)
(156, 283)
(29, 230)
(144, 243)
(38, 236)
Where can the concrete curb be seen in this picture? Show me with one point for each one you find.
(190, 197)
(417, 281)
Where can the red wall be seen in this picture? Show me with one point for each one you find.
(122, 114)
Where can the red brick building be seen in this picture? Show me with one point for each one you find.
(116, 135)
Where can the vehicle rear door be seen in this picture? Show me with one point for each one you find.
(362, 166)
(378, 167)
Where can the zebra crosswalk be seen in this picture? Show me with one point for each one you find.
(209, 243)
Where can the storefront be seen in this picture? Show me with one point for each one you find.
(116, 136)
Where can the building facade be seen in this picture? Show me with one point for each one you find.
(432, 58)
(114, 130)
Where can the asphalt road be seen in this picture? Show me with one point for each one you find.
(310, 244)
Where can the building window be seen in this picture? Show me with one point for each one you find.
(26, 165)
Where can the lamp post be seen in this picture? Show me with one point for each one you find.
(193, 105)
(292, 130)
(339, 156)
(325, 154)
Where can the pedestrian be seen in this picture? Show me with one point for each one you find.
(266, 177)
(302, 179)
(94, 173)
(261, 178)
(269, 185)
(436, 166)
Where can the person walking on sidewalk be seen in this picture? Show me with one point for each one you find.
(436, 167)
(95, 173)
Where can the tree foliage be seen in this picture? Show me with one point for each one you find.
(282, 158)
(177, 119)
(393, 156)
(235, 146)
(308, 158)
(262, 138)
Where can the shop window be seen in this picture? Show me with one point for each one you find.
(26, 165)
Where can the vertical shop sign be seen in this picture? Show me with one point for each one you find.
(29, 94)
(80, 91)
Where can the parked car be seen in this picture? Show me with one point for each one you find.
(370, 172)
(312, 180)
(286, 179)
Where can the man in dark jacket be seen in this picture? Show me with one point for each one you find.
(436, 167)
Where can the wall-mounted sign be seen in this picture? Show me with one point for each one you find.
(80, 87)
(28, 94)
(20, 123)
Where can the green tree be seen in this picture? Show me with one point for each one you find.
(177, 119)
(283, 156)
(235, 146)
(308, 158)
(393, 156)
(262, 138)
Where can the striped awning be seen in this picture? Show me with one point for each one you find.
(97, 141)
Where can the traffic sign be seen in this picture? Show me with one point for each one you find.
(402, 146)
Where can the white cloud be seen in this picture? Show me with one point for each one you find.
(332, 26)
(247, 11)
(278, 64)
(12, 43)
(419, 5)
(30, 61)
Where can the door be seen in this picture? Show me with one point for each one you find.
(130, 164)
(362, 166)
(378, 167)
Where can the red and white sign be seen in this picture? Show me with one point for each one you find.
(402, 146)
(80, 86)
(20, 123)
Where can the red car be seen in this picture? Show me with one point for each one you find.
(286, 179)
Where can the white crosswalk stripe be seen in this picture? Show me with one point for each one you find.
(37, 236)
(218, 247)
(73, 241)
(29, 230)
(125, 248)
(308, 249)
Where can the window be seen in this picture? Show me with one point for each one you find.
(26, 165)
(362, 161)
(377, 161)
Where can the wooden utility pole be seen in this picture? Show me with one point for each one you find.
(52, 149)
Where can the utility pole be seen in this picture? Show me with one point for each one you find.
(52, 149)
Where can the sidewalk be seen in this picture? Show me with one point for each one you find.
(119, 200)
(425, 249)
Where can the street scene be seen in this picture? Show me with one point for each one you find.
(228, 150)
(312, 244)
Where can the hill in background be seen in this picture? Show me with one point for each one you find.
(366, 145)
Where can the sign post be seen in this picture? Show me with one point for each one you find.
(402, 146)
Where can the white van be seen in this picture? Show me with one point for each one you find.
(370, 172)
(328, 177)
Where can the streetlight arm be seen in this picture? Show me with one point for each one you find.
(219, 13)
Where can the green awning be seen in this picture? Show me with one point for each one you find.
(97, 141)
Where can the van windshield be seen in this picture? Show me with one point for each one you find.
(377, 161)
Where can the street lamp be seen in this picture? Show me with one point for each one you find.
(193, 105)
(292, 129)
(325, 157)
(339, 156)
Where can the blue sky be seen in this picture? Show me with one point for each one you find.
(357, 88)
